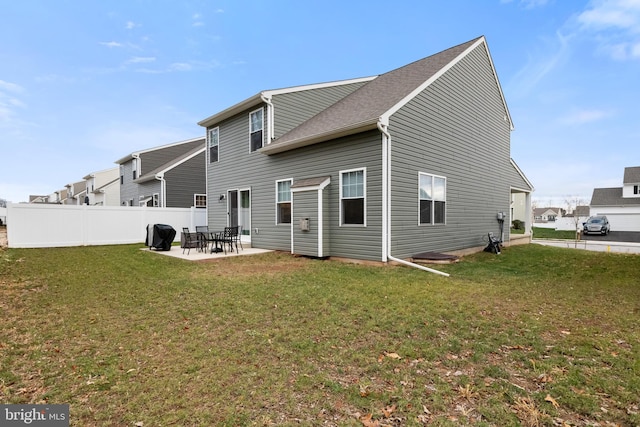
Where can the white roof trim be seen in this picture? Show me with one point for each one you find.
(320, 186)
(160, 174)
(522, 175)
(481, 41)
(258, 99)
(160, 147)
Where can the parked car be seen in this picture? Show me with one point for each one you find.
(597, 224)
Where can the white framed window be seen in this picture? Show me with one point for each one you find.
(283, 201)
(214, 143)
(636, 189)
(134, 167)
(200, 200)
(256, 126)
(353, 194)
(156, 200)
(432, 199)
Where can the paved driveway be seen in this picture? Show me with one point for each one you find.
(615, 236)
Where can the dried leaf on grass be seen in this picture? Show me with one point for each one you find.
(552, 401)
(367, 421)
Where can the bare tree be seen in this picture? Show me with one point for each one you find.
(572, 203)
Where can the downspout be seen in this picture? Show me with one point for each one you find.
(270, 115)
(163, 190)
(386, 201)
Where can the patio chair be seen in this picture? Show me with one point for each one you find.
(226, 238)
(191, 240)
(206, 236)
(237, 237)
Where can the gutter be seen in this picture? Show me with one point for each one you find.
(163, 190)
(386, 201)
(270, 117)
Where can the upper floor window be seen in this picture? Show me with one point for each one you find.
(283, 202)
(433, 190)
(200, 201)
(352, 197)
(636, 189)
(214, 137)
(255, 129)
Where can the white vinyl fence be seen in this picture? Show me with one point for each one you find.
(45, 226)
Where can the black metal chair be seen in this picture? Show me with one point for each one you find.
(206, 237)
(191, 240)
(226, 238)
(237, 237)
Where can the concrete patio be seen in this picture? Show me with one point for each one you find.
(194, 255)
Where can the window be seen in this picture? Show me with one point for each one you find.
(283, 202)
(156, 200)
(214, 136)
(134, 167)
(121, 174)
(200, 201)
(432, 197)
(255, 129)
(352, 197)
(636, 189)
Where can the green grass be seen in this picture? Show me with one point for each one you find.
(534, 336)
(550, 233)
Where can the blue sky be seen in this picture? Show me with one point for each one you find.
(86, 82)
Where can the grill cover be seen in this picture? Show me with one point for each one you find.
(160, 236)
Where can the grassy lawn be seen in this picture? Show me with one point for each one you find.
(535, 336)
(550, 233)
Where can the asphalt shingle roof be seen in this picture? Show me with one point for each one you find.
(631, 175)
(612, 197)
(368, 103)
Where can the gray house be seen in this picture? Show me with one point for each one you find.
(379, 168)
(171, 175)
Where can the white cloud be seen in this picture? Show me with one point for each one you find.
(541, 64)
(585, 116)
(141, 59)
(10, 87)
(130, 25)
(111, 44)
(197, 20)
(615, 25)
(180, 66)
(9, 102)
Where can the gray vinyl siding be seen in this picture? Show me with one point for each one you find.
(239, 169)
(184, 181)
(305, 206)
(128, 190)
(153, 159)
(291, 109)
(455, 128)
(148, 189)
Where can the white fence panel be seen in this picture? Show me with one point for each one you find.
(43, 226)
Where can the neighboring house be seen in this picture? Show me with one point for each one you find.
(379, 168)
(38, 199)
(546, 214)
(171, 175)
(76, 193)
(103, 187)
(621, 205)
